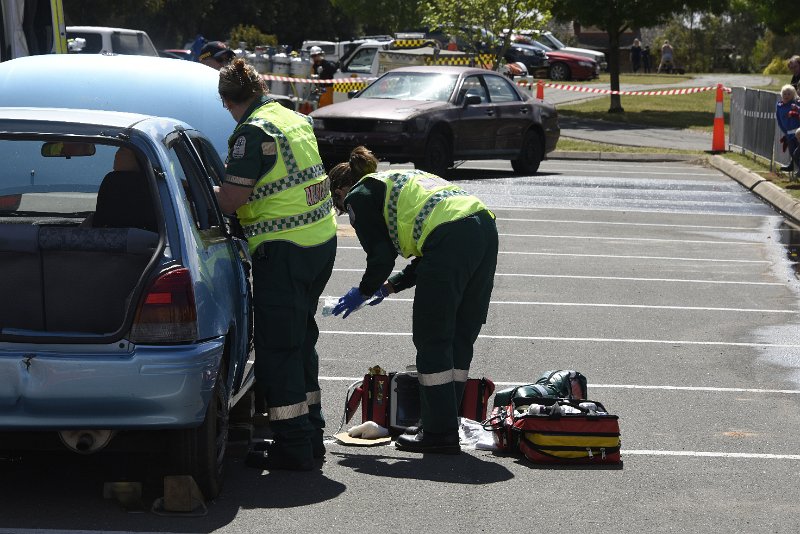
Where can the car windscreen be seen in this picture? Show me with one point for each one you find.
(45, 179)
(553, 39)
(412, 86)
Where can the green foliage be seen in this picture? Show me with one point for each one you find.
(381, 16)
(776, 66)
(252, 36)
(469, 19)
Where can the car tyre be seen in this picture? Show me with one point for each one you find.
(200, 451)
(560, 71)
(530, 155)
(438, 157)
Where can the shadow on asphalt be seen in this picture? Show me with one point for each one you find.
(453, 469)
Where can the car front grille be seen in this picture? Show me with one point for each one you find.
(350, 125)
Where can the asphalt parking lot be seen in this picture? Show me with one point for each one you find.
(669, 285)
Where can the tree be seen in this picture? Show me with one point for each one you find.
(381, 16)
(616, 16)
(471, 19)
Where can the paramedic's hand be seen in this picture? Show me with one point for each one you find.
(384, 291)
(349, 303)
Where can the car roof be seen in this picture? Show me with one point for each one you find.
(114, 119)
(159, 87)
(444, 69)
(101, 29)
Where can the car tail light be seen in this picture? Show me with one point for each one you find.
(167, 311)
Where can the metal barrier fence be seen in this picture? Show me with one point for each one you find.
(753, 127)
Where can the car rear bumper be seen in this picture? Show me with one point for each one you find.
(117, 386)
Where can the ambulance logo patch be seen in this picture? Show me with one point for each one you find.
(238, 147)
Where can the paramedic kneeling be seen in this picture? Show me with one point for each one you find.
(277, 185)
(453, 239)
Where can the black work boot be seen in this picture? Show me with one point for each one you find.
(787, 168)
(424, 441)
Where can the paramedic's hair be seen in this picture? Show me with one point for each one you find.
(239, 81)
(361, 163)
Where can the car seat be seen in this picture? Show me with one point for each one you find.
(124, 200)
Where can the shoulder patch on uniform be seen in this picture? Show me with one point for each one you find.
(268, 148)
(238, 147)
(351, 214)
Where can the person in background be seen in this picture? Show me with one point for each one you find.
(794, 68)
(324, 70)
(215, 54)
(276, 184)
(452, 237)
(787, 114)
(646, 59)
(636, 55)
(667, 61)
(452, 45)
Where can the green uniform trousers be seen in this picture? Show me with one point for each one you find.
(454, 285)
(287, 283)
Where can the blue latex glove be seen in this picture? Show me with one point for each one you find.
(379, 295)
(350, 302)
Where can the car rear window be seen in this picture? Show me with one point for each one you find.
(32, 185)
(135, 44)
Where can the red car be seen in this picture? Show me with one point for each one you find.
(563, 66)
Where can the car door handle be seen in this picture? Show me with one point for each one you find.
(490, 112)
(523, 110)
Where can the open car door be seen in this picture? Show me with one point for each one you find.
(31, 27)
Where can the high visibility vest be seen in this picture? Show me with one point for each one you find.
(418, 202)
(292, 201)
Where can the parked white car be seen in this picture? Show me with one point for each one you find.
(100, 39)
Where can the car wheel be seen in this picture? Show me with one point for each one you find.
(437, 155)
(531, 154)
(200, 451)
(559, 72)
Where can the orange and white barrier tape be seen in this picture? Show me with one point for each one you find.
(659, 92)
(275, 78)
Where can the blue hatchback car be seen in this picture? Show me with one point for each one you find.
(125, 293)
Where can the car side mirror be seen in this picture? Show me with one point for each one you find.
(472, 100)
(354, 92)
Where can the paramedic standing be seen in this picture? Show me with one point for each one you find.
(452, 237)
(276, 184)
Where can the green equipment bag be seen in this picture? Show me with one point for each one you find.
(562, 384)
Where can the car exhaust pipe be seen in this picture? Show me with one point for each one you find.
(86, 441)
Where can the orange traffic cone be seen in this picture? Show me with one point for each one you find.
(540, 89)
(718, 137)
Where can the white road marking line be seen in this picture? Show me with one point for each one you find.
(495, 208)
(604, 305)
(617, 223)
(628, 257)
(62, 531)
(584, 339)
(572, 173)
(613, 256)
(708, 454)
(647, 239)
(350, 379)
(621, 278)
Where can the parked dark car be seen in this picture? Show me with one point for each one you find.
(565, 66)
(534, 59)
(434, 116)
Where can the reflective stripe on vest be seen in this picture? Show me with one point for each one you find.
(287, 223)
(424, 199)
(460, 375)
(292, 201)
